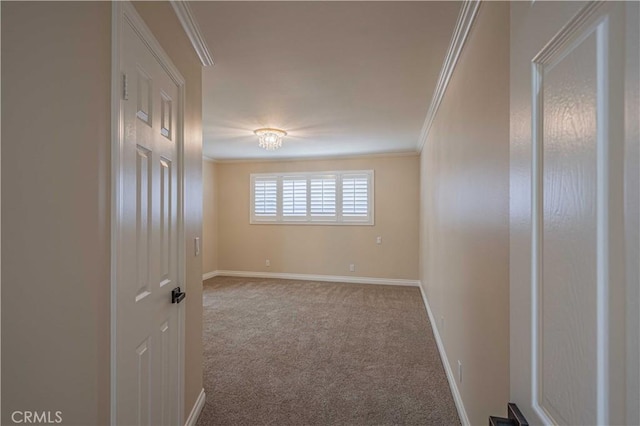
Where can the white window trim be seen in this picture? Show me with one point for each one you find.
(339, 220)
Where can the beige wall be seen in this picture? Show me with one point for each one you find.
(164, 24)
(464, 230)
(56, 94)
(210, 217)
(56, 79)
(322, 249)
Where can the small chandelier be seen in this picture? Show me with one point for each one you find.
(270, 139)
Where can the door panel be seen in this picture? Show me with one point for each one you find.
(143, 212)
(165, 223)
(143, 379)
(568, 236)
(567, 287)
(147, 323)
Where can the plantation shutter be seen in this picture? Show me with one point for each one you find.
(323, 196)
(355, 196)
(294, 197)
(265, 197)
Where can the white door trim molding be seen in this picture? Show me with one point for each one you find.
(124, 11)
(466, 18)
(190, 25)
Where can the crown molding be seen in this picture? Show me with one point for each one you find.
(190, 25)
(391, 154)
(466, 18)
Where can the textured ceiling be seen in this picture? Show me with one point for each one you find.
(342, 78)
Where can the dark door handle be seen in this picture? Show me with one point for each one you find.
(177, 296)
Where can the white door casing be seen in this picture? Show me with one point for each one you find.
(147, 228)
(574, 212)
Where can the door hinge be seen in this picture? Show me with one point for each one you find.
(125, 87)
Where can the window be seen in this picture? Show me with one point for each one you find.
(332, 198)
(355, 196)
(323, 196)
(265, 198)
(294, 197)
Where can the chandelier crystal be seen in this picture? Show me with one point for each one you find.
(270, 139)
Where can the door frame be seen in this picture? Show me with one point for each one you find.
(123, 12)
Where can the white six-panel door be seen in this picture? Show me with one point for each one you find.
(147, 323)
(574, 212)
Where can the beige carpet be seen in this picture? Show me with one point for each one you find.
(284, 352)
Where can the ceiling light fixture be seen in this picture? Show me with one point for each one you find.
(270, 139)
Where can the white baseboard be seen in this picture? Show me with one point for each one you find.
(209, 275)
(311, 277)
(462, 413)
(196, 410)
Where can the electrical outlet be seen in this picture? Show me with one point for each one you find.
(459, 371)
(267, 262)
(196, 246)
(378, 240)
(352, 267)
